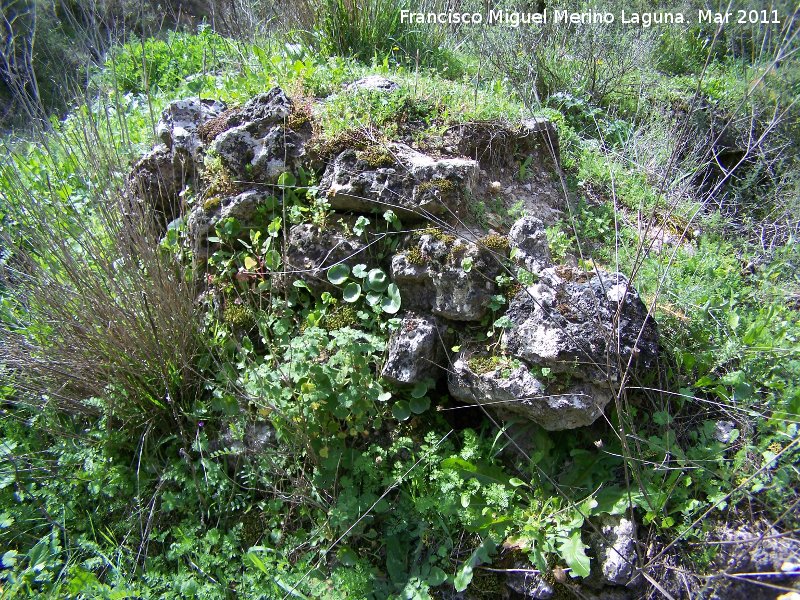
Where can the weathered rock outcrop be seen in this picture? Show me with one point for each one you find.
(510, 390)
(569, 340)
(758, 551)
(157, 180)
(417, 353)
(313, 249)
(202, 221)
(614, 546)
(256, 142)
(159, 177)
(180, 123)
(592, 326)
(374, 83)
(529, 245)
(432, 275)
(565, 341)
(396, 177)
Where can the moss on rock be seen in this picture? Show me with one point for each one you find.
(376, 156)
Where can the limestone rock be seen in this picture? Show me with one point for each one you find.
(567, 339)
(538, 130)
(314, 249)
(431, 275)
(416, 350)
(460, 295)
(255, 143)
(755, 548)
(528, 237)
(374, 83)
(528, 585)
(157, 180)
(507, 383)
(413, 280)
(242, 207)
(511, 390)
(397, 177)
(615, 550)
(179, 124)
(588, 325)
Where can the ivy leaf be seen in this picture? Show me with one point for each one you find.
(347, 557)
(338, 274)
(352, 292)
(436, 577)
(420, 389)
(392, 219)
(272, 260)
(6, 520)
(300, 284)
(360, 225)
(286, 179)
(504, 323)
(573, 551)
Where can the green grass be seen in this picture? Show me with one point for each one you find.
(369, 491)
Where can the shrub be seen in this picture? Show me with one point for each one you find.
(154, 64)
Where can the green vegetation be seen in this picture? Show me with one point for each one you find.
(498, 243)
(376, 156)
(241, 443)
(442, 185)
(482, 363)
(415, 256)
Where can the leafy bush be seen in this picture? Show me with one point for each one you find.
(161, 65)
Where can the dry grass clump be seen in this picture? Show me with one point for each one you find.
(99, 317)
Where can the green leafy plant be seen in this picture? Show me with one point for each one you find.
(381, 294)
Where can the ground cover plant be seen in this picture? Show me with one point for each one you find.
(178, 423)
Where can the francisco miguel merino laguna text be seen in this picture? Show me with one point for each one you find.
(515, 19)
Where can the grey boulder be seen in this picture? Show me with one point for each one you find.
(593, 325)
(614, 545)
(511, 390)
(313, 249)
(179, 124)
(373, 83)
(529, 244)
(256, 144)
(396, 177)
(202, 222)
(416, 350)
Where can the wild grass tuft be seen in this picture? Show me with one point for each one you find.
(98, 316)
